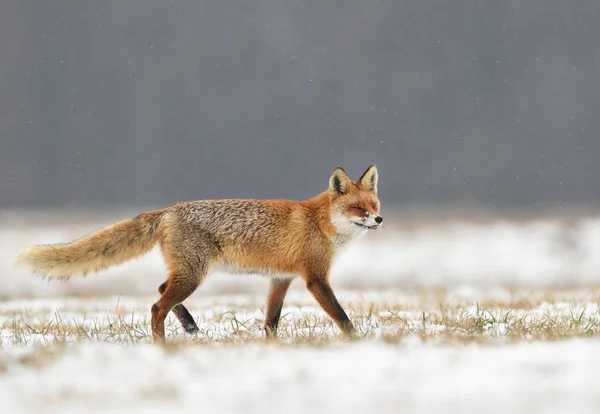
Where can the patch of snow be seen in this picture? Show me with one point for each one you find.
(366, 377)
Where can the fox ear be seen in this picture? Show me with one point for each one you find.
(368, 181)
(339, 182)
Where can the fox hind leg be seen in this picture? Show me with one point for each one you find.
(178, 287)
(189, 254)
(182, 314)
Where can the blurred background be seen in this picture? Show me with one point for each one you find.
(481, 116)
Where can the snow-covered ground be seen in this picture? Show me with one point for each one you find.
(547, 251)
(451, 315)
(89, 368)
(364, 377)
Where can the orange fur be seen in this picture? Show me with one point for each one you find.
(275, 237)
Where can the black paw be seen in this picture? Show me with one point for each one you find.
(190, 327)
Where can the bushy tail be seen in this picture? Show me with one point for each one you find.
(106, 247)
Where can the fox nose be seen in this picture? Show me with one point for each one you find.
(378, 219)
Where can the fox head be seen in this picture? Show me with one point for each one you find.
(354, 206)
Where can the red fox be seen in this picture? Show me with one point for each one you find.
(279, 238)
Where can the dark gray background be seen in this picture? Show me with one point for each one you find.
(488, 103)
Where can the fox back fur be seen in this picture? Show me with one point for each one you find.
(280, 238)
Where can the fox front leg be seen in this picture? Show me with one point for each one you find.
(321, 290)
(277, 292)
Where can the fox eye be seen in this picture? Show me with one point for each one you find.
(357, 208)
